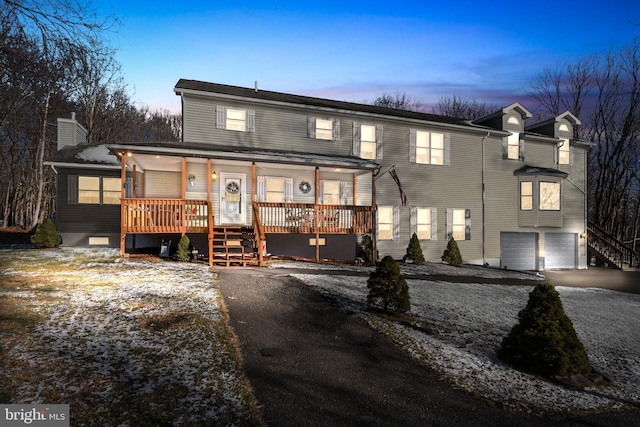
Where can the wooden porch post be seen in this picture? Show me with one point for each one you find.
(317, 214)
(123, 195)
(183, 225)
(209, 213)
(354, 219)
(374, 225)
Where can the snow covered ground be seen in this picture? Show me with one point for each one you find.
(467, 322)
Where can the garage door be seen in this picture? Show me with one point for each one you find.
(519, 251)
(560, 250)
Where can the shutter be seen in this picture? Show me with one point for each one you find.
(336, 129)
(556, 156)
(396, 222)
(72, 189)
(414, 220)
(311, 127)
(221, 117)
(261, 189)
(412, 145)
(356, 139)
(288, 190)
(505, 148)
(571, 155)
(521, 150)
(321, 198)
(343, 192)
(447, 148)
(251, 120)
(449, 223)
(129, 188)
(467, 224)
(434, 224)
(379, 142)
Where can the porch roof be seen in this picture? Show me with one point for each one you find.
(220, 152)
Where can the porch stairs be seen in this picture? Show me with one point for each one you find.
(610, 251)
(234, 246)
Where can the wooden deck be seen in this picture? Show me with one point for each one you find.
(146, 215)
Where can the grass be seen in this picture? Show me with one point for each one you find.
(124, 343)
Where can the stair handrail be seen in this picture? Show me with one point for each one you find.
(626, 255)
(259, 231)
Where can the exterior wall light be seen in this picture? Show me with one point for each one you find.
(214, 176)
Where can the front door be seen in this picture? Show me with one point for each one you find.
(232, 198)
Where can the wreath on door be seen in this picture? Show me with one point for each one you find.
(233, 187)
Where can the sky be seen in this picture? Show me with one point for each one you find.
(356, 51)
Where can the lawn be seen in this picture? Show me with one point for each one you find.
(137, 342)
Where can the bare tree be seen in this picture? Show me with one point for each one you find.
(399, 101)
(463, 108)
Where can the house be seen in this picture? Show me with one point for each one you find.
(261, 172)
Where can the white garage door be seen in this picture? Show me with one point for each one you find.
(519, 251)
(560, 250)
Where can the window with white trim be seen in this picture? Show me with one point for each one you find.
(89, 189)
(526, 195)
(549, 196)
(459, 224)
(564, 152)
(330, 192)
(513, 146)
(274, 189)
(429, 147)
(368, 142)
(385, 223)
(424, 223)
(324, 129)
(237, 119)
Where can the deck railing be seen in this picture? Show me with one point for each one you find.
(151, 215)
(310, 218)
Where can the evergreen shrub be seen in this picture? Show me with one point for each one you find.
(414, 251)
(46, 235)
(388, 290)
(544, 342)
(184, 249)
(365, 249)
(452, 254)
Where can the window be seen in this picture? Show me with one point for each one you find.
(564, 152)
(89, 189)
(385, 223)
(93, 190)
(424, 223)
(526, 195)
(459, 224)
(275, 189)
(429, 147)
(330, 192)
(238, 119)
(549, 196)
(368, 142)
(513, 146)
(324, 129)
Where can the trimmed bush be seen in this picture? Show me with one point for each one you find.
(452, 253)
(414, 251)
(46, 235)
(388, 290)
(544, 342)
(184, 249)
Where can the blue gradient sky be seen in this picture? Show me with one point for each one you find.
(355, 51)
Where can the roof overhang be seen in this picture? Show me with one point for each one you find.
(528, 170)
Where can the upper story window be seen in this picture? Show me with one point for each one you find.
(93, 190)
(513, 146)
(238, 119)
(549, 196)
(367, 141)
(429, 147)
(327, 129)
(564, 152)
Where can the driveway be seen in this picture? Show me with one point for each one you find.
(596, 277)
(313, 364)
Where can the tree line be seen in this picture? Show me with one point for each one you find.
(54, 61)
